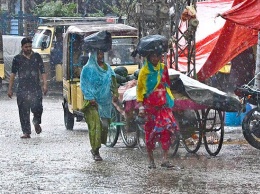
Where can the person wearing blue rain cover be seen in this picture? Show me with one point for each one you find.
(99, 87)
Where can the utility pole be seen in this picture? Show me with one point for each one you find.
(21, 24)
(1, 51)
(257, 69)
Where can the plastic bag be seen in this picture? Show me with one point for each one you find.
(151, 44)
(98, 41)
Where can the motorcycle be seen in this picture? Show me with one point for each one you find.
(251, 121)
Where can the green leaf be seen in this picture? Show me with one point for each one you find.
(56, 9)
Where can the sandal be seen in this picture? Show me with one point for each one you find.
(93, 154)
(97, 158)
(25, 136)
(167, 165)
(38, 128)
(152, 165)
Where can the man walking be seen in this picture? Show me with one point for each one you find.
(28, 65)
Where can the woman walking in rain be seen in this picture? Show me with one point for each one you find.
(156, 102)
(98, 84)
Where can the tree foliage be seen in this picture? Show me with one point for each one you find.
(124, 8)
(99, 13)
(56, 9)
(120, 8)
(93, 8)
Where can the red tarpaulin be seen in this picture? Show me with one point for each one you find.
(218, 40)
(207, 33)
(231, 40)
(245, 13)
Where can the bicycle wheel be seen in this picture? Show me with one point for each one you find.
(213, 132)
(128, 134)
(175, 143)
(113, 130)
(191, 131)
(251, 127)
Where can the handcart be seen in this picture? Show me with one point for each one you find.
(198, 109)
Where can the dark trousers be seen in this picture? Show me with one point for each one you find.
(29, 101)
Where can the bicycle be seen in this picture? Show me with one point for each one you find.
(118, 126)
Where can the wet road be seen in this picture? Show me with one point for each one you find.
(59, 161)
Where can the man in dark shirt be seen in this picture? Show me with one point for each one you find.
(28, 65)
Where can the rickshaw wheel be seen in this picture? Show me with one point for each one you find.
(113, 130)
(128, 135)
(68, 117)
(193, 138)
(213, 131)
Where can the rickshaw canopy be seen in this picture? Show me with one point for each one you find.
(114, 29)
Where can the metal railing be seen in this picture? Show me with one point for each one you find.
(21, 24)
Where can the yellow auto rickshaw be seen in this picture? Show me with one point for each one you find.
(124, 39)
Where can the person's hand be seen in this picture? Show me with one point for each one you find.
(45, 89)
(141, 112)
(10, 93)
(93, 102)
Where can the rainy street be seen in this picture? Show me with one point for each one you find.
(59, 161)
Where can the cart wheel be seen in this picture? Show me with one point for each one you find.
(192, 134)
(128, 135)
(113, 130)
(213, 132)
(68, 117)
(140, 137)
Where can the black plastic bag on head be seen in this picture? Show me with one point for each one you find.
(151, 44)
(98, 41)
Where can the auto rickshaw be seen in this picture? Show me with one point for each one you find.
(124, 39)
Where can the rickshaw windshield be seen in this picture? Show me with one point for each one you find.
(120, 54)
(42, 35)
